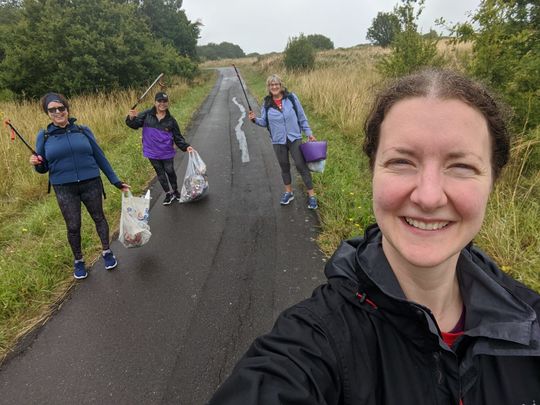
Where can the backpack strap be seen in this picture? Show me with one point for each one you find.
(46, 135)
(268, 104)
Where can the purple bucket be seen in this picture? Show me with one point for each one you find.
(313, 151)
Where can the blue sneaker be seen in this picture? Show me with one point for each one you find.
(286, 198)
(312, 203)
(80, 271)
(110, 260)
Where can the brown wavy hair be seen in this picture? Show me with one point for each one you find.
(442, 84)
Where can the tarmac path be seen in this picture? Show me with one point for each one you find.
(168, 324)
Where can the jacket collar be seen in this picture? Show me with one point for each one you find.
(492, 310)
(54, 130)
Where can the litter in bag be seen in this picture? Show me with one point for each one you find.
(195, 185)
(317, 166)
(134, 228)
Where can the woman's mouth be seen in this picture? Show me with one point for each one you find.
(426, 226)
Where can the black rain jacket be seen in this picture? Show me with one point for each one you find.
(359, 341)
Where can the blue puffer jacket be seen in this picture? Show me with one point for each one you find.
(71, 155)
(284, 124)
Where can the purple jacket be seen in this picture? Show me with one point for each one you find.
(158, 136)
(157, 144)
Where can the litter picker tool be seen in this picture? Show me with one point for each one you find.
(241, 85)
(14, 132)
(147, 90)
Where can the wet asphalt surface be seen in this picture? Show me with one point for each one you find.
(169, 323)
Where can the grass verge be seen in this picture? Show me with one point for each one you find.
(35, 259)
(336, 96)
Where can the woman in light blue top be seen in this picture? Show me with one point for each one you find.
(283, 116)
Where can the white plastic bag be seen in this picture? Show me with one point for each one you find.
(317, 166)
(195, 185)
(134, 228)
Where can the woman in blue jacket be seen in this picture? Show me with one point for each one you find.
(283, 116)
(73, 159)
(159, 135)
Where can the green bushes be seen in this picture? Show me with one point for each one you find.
(85, 46)
(506, 53)
(320, 42)
(410, 49)
(383, 29)
(223, 50)
(299, 54)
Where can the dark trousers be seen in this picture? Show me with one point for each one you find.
(282, 154)
(165, 173)
(69, 197)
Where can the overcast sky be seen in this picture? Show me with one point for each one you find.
(265, 25)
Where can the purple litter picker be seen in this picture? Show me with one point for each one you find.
(314, 151)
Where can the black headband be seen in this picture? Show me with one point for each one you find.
(52, 97)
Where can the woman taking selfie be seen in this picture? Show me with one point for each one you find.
(413, 312)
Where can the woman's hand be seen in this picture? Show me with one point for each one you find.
(311, 138)
(36, 160)
(190, 149)
(125, 187)
(132, 114)
(251, 115)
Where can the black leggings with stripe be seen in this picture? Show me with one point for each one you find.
(69, 197)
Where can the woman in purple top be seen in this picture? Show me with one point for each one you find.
(160, 133)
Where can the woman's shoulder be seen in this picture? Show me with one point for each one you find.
(330, 304)
(513, 285)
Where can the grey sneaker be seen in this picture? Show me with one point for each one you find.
(286, 198)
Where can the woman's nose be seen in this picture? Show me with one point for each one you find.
(429, 192)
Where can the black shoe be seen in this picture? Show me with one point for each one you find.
(176, 194)
(169, 198)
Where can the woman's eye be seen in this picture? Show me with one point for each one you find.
(463, 169)
(398, 163)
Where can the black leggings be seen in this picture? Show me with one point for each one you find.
(165, 173)
(69, 197)
(282, 155)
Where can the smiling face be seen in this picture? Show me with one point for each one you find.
(431, 180)
(275, 89)
(162, 105)
(58, 117)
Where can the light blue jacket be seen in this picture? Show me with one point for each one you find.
(284, 124)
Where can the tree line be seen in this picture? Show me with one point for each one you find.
(80, 46)
(505, 38)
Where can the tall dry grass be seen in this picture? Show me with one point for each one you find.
(35, 259)
(337, 95)
(511, 230)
